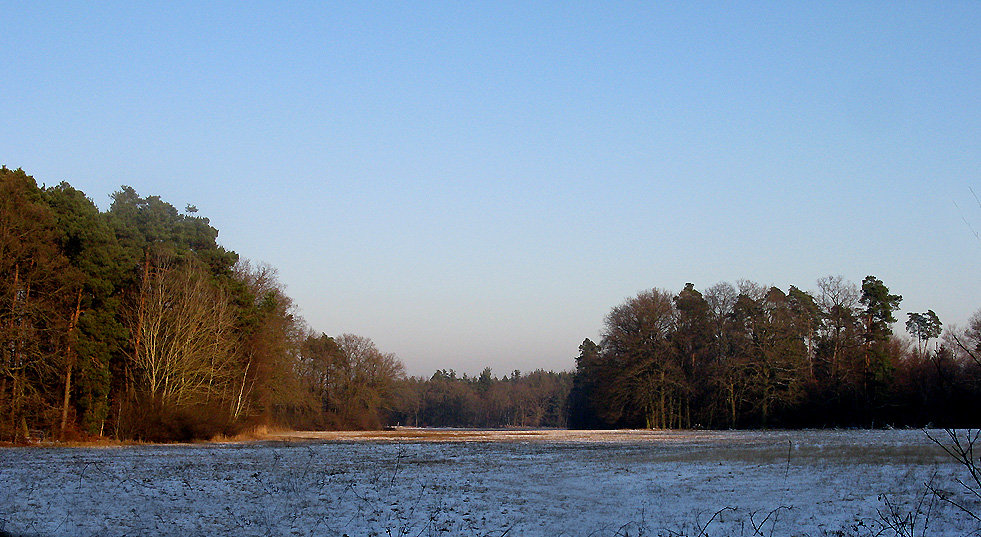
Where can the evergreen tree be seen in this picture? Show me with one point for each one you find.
(878, 318)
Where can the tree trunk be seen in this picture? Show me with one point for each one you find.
(662, 418)
(140, 314)
(70, 362)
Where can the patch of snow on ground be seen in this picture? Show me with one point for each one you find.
(482, 483)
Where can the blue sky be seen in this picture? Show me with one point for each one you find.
(477, 184)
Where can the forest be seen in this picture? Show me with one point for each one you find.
(134, 323)
(751, 356)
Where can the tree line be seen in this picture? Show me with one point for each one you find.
(748, 356)
(536, 399)
(135, 323)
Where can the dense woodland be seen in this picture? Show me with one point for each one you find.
(536, 399)
(135, 323)
(749, 356)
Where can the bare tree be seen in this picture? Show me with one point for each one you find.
(267, 386)
(185, 335)
(963, 447)
(641, 383)
(968, 341)
(365, 380)
(728, 379)
(839, 300)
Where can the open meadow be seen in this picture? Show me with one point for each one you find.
(491, 483)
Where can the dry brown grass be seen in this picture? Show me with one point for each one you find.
(256, 433)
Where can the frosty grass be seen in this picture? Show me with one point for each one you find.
(518, 483)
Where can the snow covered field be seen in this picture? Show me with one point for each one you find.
(519, 483)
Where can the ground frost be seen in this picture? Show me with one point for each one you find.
(855, 483)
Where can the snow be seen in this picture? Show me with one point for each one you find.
(413, 482)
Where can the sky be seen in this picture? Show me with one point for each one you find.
(477, 184)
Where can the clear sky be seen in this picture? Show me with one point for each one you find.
(476, 184)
